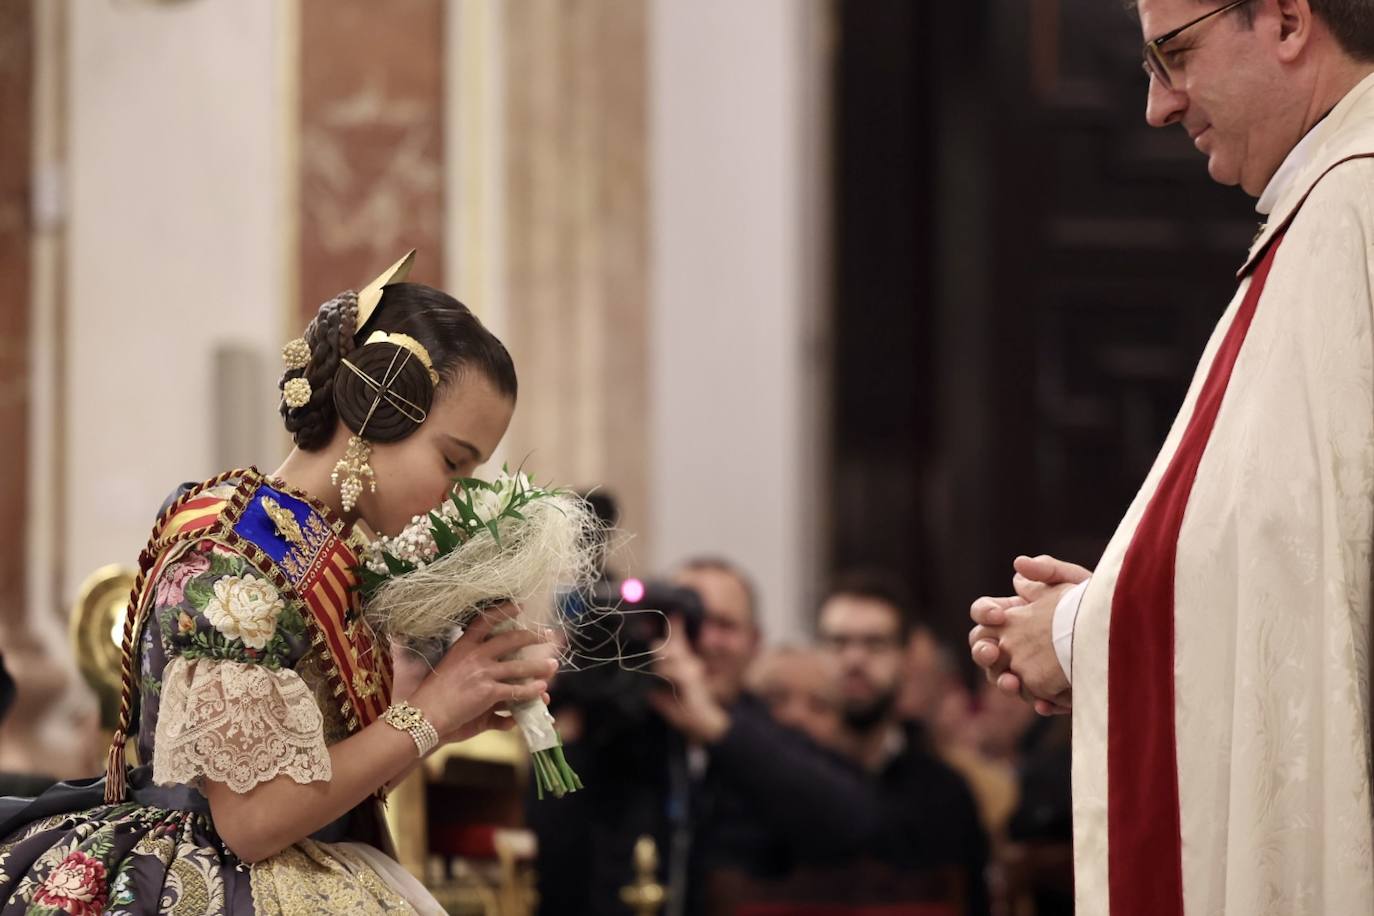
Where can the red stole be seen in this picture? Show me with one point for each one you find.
(1145, 862)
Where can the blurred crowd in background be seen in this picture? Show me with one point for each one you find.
(861, 766)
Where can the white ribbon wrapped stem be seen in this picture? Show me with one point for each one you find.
(532, 717)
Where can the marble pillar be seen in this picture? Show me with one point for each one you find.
(371, 142)
(576, 203)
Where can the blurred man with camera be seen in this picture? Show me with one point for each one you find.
(709, 675)
(689, 757)
(762, 799)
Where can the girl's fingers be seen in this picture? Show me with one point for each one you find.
(489, 619)
(480, 627)
(520, 669)
(500, 613)
(505, 643)
(523, 693)
(474, 635)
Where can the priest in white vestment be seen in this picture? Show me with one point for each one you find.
(1217, 659)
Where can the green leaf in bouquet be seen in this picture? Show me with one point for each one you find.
(397, 566)
(369, 580)
(466, 512)
(444, 538)
(495, 530)
(469, 484)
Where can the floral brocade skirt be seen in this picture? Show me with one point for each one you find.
(133, 858)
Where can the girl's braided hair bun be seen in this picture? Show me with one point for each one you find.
(330, 338)
(455, 340)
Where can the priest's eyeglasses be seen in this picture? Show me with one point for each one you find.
(1154, 62)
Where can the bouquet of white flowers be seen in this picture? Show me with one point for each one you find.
(488, 542)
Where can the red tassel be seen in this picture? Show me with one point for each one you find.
(115, 776)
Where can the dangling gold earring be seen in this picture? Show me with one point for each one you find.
(353, 467)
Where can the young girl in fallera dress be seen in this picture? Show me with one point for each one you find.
(259, 700)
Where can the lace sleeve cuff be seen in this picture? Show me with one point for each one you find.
(236, 723)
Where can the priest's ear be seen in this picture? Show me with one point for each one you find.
(1295, 26)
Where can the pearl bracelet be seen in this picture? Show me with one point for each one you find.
(401, 715)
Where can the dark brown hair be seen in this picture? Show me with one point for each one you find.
(457, 342)
(727, 568)
(1350, 21)
(881, 586)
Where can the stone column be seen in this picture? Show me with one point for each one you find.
(371, 142)
(576, 244)
(52, 727)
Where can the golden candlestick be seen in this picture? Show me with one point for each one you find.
(645, 896)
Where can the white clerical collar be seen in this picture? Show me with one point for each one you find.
(1298, 159)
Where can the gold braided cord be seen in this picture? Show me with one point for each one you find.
(115, 776)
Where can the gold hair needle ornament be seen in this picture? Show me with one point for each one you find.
(354, 466)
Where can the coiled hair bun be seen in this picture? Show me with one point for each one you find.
(383, 392)
(457, 343)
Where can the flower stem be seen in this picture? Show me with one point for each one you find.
(552, 773)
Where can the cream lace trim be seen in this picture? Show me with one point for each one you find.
(238, 724)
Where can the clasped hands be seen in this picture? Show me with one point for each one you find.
(1012, 640)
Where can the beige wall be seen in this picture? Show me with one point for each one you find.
(735, 452)
(175, 214)
(177, 193)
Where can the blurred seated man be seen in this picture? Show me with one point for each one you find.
(930, 674)
(800, 687)
(934, 695)
(1037, 750)
(930, 820)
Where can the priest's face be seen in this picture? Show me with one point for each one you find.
(864, 634)
(1234, 86)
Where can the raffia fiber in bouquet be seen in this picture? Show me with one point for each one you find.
(489, 542)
